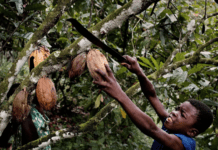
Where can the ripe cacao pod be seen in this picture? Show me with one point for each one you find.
(46, 93)
(20, 109)
(78, 65)
(38, 56)
(96, 60)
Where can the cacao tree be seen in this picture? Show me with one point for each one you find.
(175, 43)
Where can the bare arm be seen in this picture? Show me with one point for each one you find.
(147, 87)
(139, 118)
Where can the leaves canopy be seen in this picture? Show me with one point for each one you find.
(175, 44)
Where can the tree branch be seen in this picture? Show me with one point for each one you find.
(208, 61)
(212, 15)
(201, 48)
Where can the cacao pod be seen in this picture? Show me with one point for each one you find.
(96, 60)
(20, 109)
(38, 56)
(78, 65)
(46, 93)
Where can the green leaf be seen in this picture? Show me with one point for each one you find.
(210, 102)
(196, 68)
(44, 41)
(145, 60)
(144, 64)
(159, 11)
(215, 122)
(179, 76)
(62, 40)
(153, 43)
(214, 144)
(35, 7)
(9, 14)
(121, 70)
(19, 5)
(98, 101)
(155, 63)
(162, 38)
(191, 87)
(180, 56)
(59, 26)
(161, 64)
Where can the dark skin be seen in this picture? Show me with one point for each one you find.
(180, 120)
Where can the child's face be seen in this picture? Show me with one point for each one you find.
(182, 119)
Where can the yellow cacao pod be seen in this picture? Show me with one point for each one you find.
(20, 109)
(46, 93)
(96, 60)
(78, 65)
(38, 56)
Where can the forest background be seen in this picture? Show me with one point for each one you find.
(175, 42)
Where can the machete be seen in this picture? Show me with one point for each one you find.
(95, 40)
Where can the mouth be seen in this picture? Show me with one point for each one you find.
(169, 119)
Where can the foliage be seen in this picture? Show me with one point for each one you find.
(172, 34)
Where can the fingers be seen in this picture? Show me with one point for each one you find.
(102, 74)
(107, 78)
(110, 73)
(100, 83)
(131, 60)
(126, 65)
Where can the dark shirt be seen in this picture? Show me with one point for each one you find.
(188, 143)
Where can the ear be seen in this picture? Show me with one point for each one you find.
(192, 132)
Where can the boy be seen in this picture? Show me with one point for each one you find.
(179, 127)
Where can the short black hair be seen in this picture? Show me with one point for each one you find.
(204, 116)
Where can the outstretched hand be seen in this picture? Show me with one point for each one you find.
(132, 64)
(109, 85)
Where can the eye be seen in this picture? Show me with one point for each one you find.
(182, 114)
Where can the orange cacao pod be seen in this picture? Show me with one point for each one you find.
(46, 93)
(96, 60)
(20, 109)
(78, 65)
(38, 56)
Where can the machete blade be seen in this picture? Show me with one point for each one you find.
(95, 40)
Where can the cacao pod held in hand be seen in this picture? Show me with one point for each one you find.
(46, 93)
(20, 107)
(96, 60)
(78, 65)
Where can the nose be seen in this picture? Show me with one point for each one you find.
(174, 113)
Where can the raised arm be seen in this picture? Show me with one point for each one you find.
(138, 117)
(146, 86)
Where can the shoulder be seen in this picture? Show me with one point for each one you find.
(188, 143)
